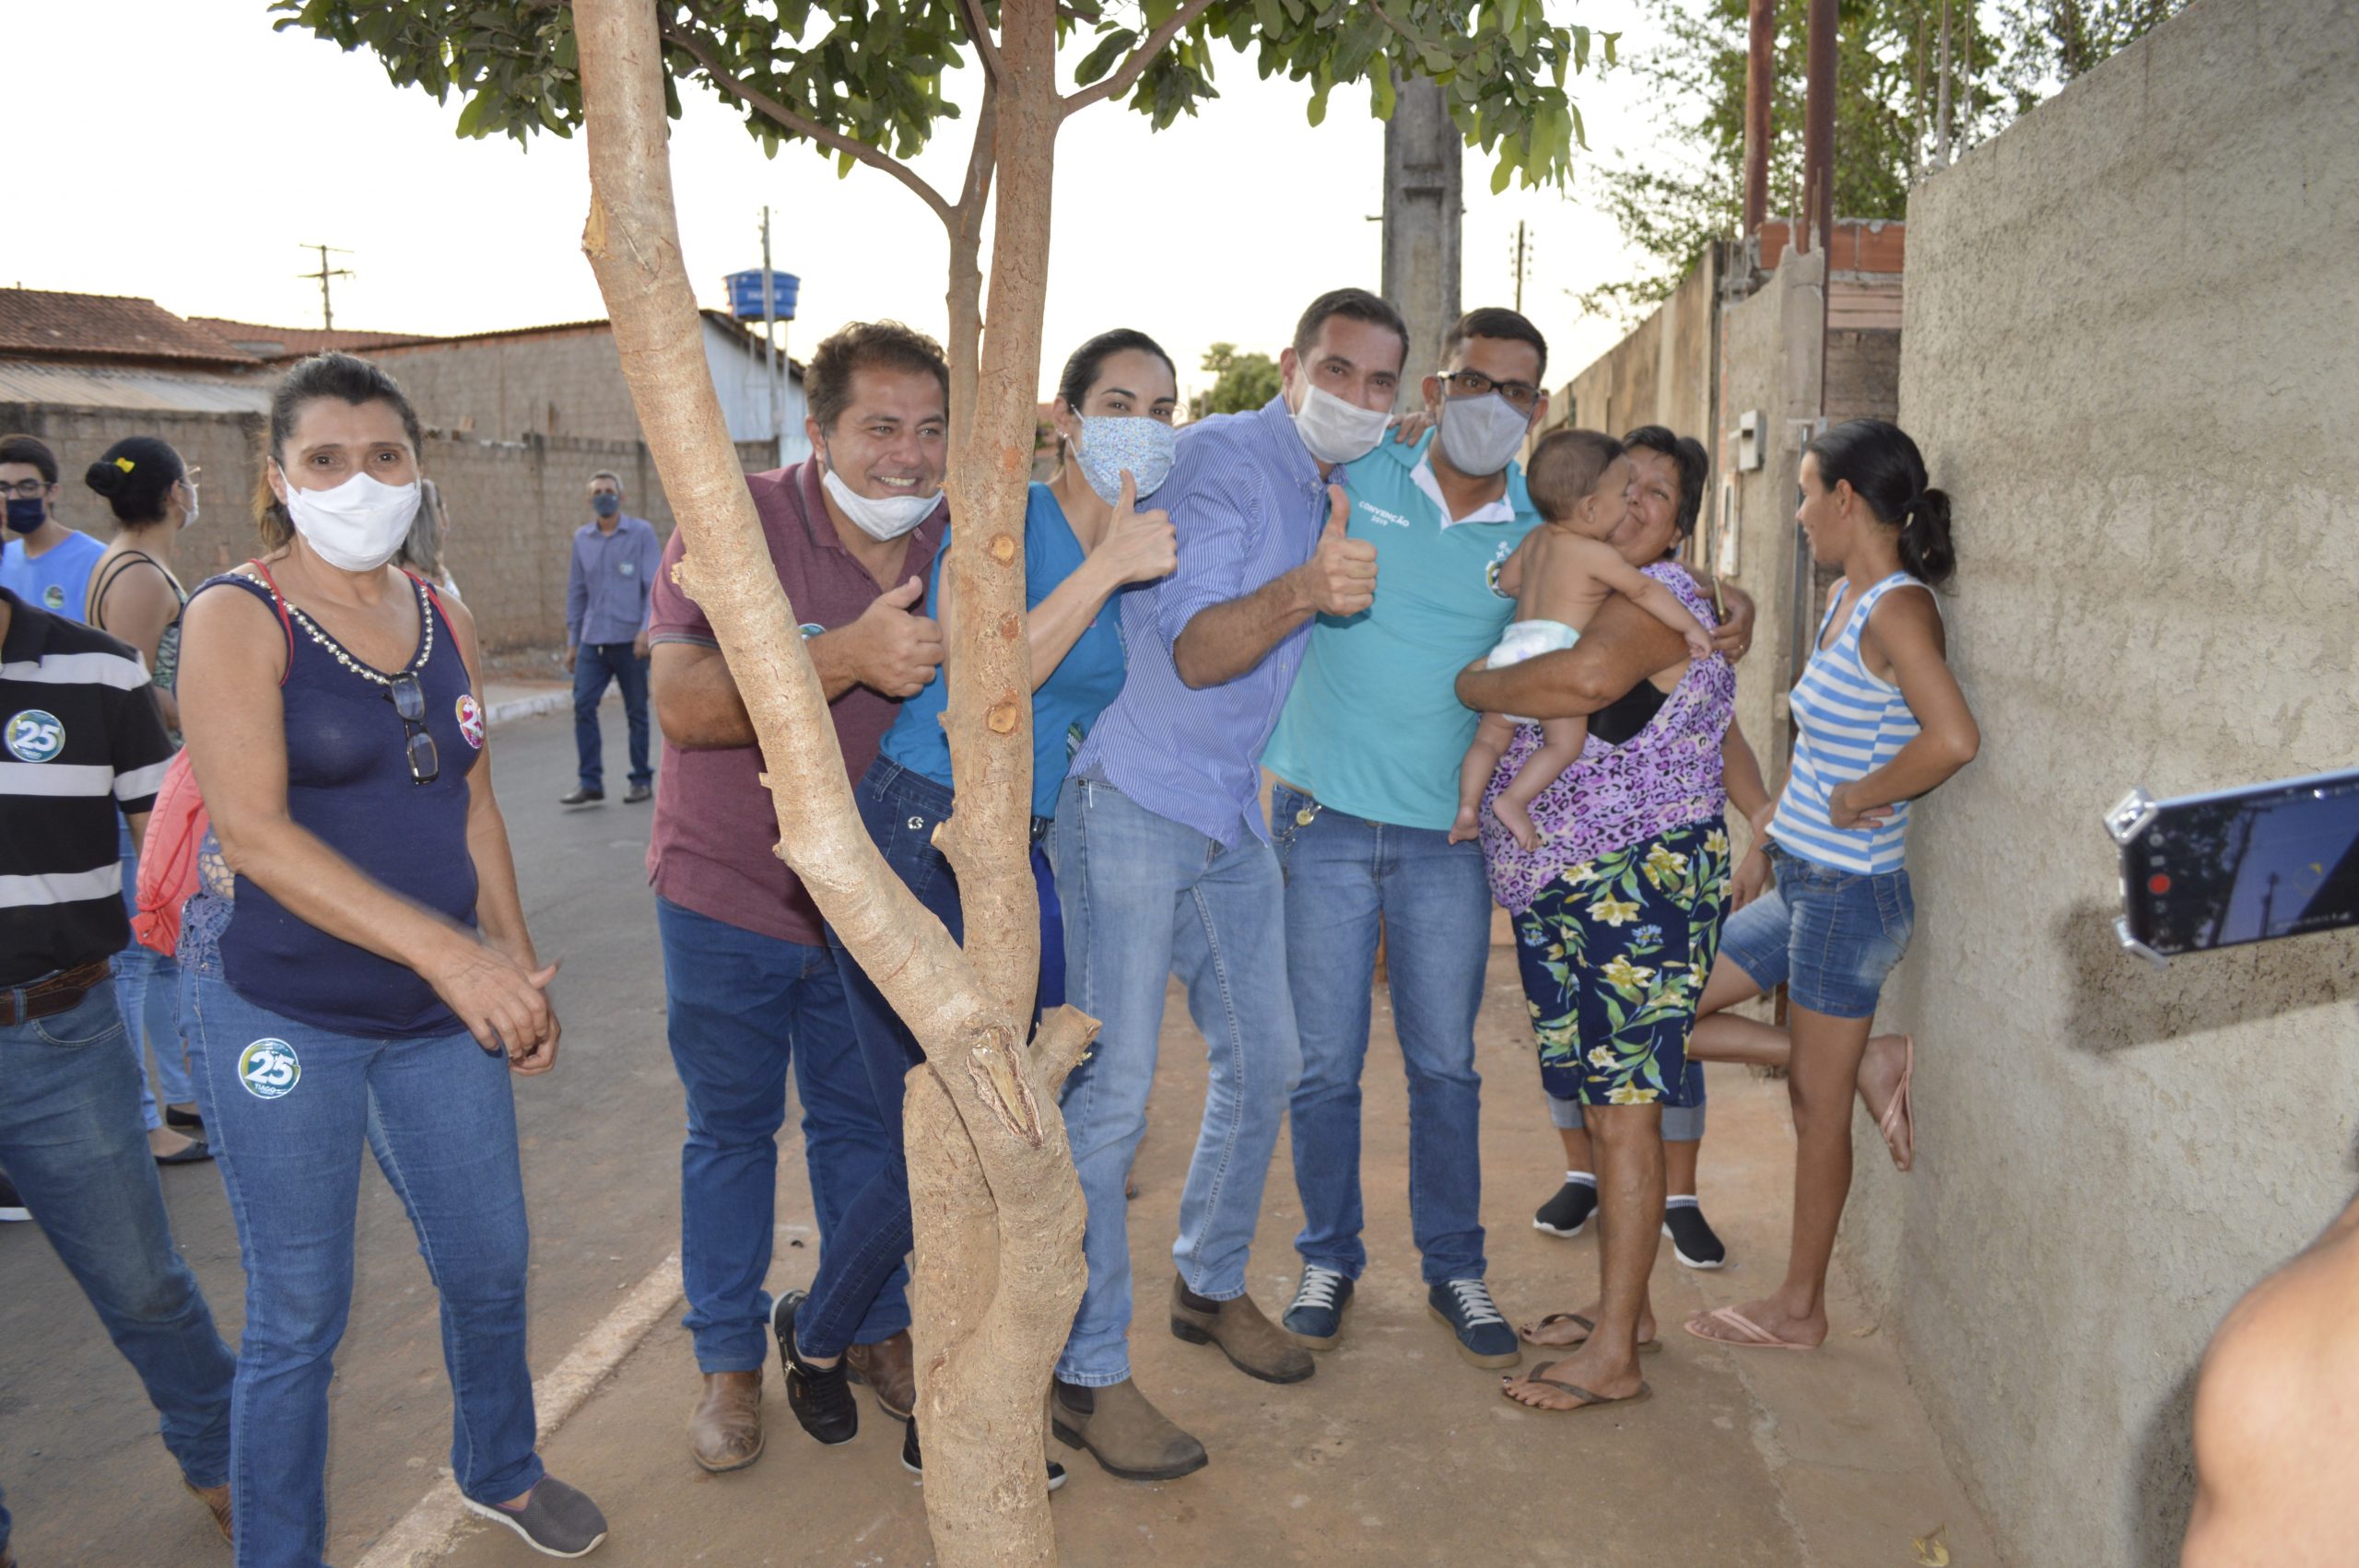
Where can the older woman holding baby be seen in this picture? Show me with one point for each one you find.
(1618, 904)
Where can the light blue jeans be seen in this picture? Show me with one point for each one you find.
(147, 990)
(1146, 899)
(1346, 876)
(290, 1109)
(71, 1141)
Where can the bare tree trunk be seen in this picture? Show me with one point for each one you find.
(997, 1207)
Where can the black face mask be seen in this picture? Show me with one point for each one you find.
(27, 513)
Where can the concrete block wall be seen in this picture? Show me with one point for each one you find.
(2129, 354)
(223, 445)
(563, 383)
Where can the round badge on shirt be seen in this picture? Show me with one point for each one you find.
(628, 569)
(53, 596)
(471, 720)
(35, 736)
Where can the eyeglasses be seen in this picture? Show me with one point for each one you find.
(1474, 383)
(409, 701)
(27, 489)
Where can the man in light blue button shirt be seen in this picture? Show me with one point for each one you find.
(1366, 755)
(609, 595)
(1164, 862)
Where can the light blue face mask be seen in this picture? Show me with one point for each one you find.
(1113, 443)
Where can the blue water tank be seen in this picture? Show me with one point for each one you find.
(745, 294)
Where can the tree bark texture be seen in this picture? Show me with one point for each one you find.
(998, 1210)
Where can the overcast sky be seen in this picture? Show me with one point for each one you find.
(186, 155)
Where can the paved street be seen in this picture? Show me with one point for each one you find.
(1396, 1453)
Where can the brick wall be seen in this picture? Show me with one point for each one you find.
(559, 383)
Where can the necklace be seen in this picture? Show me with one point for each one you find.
(335, 649)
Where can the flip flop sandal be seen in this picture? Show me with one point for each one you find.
(1899, 1117)
(1589, 1401)
(1752, 1335)
(1646, 1347)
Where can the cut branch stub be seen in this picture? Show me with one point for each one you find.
(995, 1061)
(1003, 549)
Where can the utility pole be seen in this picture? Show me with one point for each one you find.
(1941, 94)
(327, 305)
(1760, 88)
(1422, 199)
(1523, 263)
(770, 338)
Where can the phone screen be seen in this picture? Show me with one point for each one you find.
(2246, 865)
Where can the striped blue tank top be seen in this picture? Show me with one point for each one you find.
(1851, 723)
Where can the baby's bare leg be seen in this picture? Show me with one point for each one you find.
(1491, 739)
(1561, 744)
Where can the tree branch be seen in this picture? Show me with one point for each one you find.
(970, 12)
(801, 125)
(1121, 80)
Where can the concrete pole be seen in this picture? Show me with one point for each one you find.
(1760, 93)
(1818, 126)
(1422, 203)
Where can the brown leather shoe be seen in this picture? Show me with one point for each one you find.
(1130, 1437)
(890, 1370)
(216, 1502)
(1254, 1344)
(725, 1429)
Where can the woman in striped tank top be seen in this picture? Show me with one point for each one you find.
(1882, 722)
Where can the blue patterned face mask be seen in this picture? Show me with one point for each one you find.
(1113, 443)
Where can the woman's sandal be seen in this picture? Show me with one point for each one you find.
(1646, 1347)
(1898, 1123)
(1589, 1401)
(1749, 1335)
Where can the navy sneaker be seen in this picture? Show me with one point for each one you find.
(1484, 1337)
(913, 1458)
(1692, 1241)
(1567, 1213)
(1316, 1318)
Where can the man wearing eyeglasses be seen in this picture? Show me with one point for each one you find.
(1366, 753)
(45, 562)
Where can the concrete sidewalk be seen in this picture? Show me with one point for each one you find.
(1397, 1452)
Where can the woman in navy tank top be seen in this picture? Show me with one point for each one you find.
(368, 979)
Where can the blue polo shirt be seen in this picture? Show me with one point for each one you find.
(58, 579)
(1065, 705)
(1247, 503)
(1373, 726)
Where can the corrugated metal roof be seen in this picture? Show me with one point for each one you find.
(75, 386)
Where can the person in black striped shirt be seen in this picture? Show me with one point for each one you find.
(81, 741)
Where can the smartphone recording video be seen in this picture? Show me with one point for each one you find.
(2251, 864)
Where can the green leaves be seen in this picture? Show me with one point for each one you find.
(872, 70)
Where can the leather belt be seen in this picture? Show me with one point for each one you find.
(51, 994)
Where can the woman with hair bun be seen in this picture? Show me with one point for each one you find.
(1882, 722)
(133, 595)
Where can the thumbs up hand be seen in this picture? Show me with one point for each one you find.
(898, 648)
(1137, 546)
(1340, 576)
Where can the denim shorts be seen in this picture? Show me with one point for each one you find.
(1829, 936)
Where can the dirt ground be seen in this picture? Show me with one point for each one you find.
(1397, 1452)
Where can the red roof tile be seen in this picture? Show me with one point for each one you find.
(296, 343)
(36, 322)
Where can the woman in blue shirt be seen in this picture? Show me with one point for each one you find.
(1084, 543)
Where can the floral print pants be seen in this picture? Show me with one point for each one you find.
(1615, 952)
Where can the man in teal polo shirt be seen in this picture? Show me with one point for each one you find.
(1366, 753)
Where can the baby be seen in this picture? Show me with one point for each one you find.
(1560, 575)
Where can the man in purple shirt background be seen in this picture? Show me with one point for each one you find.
(609, 594)
(1164, 862)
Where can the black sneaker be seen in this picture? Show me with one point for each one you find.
(1692, 1240)
(12, 1203)
(1567, 1213)
(913, 1461)
(555, 1519)
(820, 1396)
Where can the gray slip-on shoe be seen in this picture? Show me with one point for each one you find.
(555, 1519)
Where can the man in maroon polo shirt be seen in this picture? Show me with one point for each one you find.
(852, 532)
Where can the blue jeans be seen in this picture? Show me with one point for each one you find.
(1146, 899)
(1828, 936)
(289, 1108)
(742, 1009)
(70, 1139)
(594, 664)
(1344, 874)
(147, 989)
(901, 809)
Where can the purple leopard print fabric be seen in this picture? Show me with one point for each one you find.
(1664, 778)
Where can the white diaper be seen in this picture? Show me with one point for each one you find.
(1528, 640)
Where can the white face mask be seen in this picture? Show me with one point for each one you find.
(882, 518)
(1481, 435)
(358, 526)
(1336, 431)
